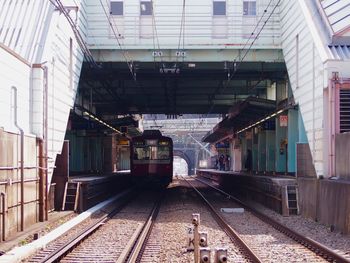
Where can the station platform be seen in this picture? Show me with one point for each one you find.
(270, 191)
(90, 188)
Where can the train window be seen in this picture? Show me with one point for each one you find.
(141, 153)
(163, 153)
(151, 153)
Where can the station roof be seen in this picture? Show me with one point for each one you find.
(175, 88)
(79, 121)
(241, 115)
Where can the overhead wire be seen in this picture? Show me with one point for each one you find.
(182, 32)
(117, 35)
(129, 62)
(250, 46)
(255, 38)
(155, 37)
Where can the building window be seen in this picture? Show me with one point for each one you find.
(145, 8)
(219, 8)
(117, 8)
(249, 8)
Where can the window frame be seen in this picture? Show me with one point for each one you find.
(248, 8)
(217, 2)
(122, 7)
(143, 13)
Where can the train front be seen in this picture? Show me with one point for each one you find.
(151, 160)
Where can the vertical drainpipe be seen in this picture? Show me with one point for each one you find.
(3, 208)
(332, 120)
(42, 133)
(22, 157)
(46, 143)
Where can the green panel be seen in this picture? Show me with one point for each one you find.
(302, 131)
(262, 151)
(85, 153)
(270, 148)
(244, 151)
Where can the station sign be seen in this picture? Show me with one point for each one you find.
(283, 120)
(123, 142)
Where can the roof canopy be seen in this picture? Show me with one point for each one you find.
(241, 115)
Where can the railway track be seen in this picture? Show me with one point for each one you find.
(133, 252)
(83, 247)
(234, 236)
(317, 248)
(58, 249)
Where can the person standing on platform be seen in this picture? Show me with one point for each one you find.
(248, 161)
(227, 162)
(221, 162)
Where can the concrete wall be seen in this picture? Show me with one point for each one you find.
(325, 201)
(342, 156)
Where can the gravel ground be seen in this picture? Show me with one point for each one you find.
(69, 234)
(269, 244)
(337, 241)
(107, 244)
(171, 228)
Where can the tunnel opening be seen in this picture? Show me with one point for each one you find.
(180, 166)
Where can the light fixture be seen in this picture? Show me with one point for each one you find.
(85, 113)
(262, 120)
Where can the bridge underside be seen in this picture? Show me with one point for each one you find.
(175, 87)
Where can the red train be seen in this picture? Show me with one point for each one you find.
(151, 158)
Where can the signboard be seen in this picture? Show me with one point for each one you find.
(190, 238)
(123, 142)
(283, 120)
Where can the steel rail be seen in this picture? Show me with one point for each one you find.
(316, 247)
(63, 250)
(234, 236)
(135, 251)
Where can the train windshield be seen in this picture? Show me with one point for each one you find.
(147, 152)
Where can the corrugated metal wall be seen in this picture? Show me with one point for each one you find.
(337, 12)
(22, 24)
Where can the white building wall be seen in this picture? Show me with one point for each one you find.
(35, 32)
(14, 73)
(305, 54)
(199, 26)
